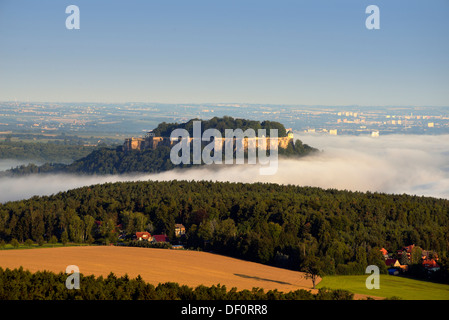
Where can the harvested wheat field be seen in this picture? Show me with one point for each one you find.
(155, 266)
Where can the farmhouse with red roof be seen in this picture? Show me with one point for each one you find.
(146, 236)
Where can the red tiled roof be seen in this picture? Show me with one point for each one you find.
(143, 235)
(430, 263)
(160, 238)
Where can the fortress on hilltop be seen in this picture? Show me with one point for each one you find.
(151, 142)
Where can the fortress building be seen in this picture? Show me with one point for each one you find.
(150, 141)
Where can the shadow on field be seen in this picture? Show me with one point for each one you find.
(258, 278)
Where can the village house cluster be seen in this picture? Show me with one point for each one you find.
(400, 261)
(180, 230)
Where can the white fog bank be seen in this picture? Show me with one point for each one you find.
(412, 164)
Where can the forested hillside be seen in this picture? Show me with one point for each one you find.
(268, 223)
(117, 161)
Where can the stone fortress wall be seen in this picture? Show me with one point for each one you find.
(152, 142)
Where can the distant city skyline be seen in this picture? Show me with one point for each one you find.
(254, 52)
(217, 104)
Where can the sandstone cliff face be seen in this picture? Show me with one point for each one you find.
(151, 142)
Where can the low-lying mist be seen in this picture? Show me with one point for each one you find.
(412, 164)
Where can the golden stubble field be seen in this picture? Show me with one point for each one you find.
(155, 266)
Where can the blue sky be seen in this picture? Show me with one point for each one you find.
(275, 52)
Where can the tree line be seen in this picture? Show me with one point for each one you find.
(20, 284)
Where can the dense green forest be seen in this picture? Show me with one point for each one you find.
(268, 223)
(221, 124)
(19, 284)
(43, 152)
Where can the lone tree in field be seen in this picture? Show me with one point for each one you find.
(312, 267)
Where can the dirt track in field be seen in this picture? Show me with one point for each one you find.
(155, 266)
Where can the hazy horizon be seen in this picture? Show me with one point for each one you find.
(217, 104)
